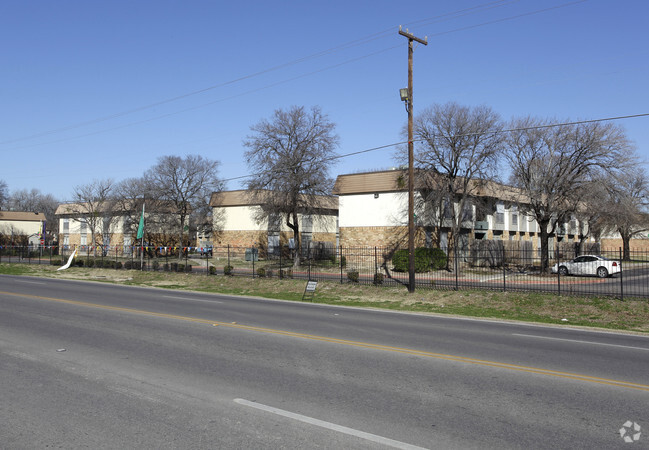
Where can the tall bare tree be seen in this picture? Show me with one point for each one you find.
(591, 211)
(291, 155)
(94, 206)
(185, 183)
(458, 149)
(553, 165)
(627, 206)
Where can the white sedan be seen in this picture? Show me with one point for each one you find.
(588, 265)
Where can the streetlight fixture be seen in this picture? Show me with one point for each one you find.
(404, 95)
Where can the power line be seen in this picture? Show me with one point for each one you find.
(508, 130)
(369, 38)
(344, 46)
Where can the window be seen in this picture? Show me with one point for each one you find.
(500, 213)
(467, 212)
(448, 209)
(66, 225)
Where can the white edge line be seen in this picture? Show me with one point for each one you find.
(328, 425)
(581, 342)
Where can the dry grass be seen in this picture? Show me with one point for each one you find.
(630, 315)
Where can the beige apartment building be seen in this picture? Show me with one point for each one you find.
(236, 223)
(21, 227)
(373, 212)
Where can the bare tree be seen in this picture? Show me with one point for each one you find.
(626, 206)
(3, 193)
(35, 201)
(459, 150)
(184, 183)
(94, 206)
(553, 165)
(291, 155)
(591, 211)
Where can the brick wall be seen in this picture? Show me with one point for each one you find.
(635, 244)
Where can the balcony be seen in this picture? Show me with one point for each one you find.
(481, 225)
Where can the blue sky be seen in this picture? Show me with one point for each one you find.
(100, 89)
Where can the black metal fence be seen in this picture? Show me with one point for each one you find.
(480, 267)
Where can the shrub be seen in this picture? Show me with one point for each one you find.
(378, 279)
(212, 270)
(269, 273)
(56, 262)
(118, 265)
(261, 272)
(352, 275)
(425, 259)
(438, 258)
(79, 262)
(156, 265)
(400, 260)
(128, 265)
(165, 267)
(343, 261)
(181, 268)
(286, 273)
(227, 270)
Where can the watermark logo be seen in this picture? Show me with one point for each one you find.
(630, 432)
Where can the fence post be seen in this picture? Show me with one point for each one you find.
(558, 263)
(504, 271)
(252, 257)
(308, 256)
(341, 263)
(228, 255)
(376, 262)
(621, 282)
(455, 264)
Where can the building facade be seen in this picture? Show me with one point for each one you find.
(373, 212)
(21, 227)
(237, 222)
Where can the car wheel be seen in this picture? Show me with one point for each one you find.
(563, 270)
(602, 272)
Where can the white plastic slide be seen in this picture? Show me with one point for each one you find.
(69, 261)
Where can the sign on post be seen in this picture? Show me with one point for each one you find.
(309, 291)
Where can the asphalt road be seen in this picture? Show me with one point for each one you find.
(102, 366)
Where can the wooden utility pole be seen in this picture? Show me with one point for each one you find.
(411, 170)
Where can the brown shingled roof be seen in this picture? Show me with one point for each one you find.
(22, 216)
(244, 198)
(396, 181)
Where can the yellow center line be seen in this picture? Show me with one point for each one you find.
(407, 351)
